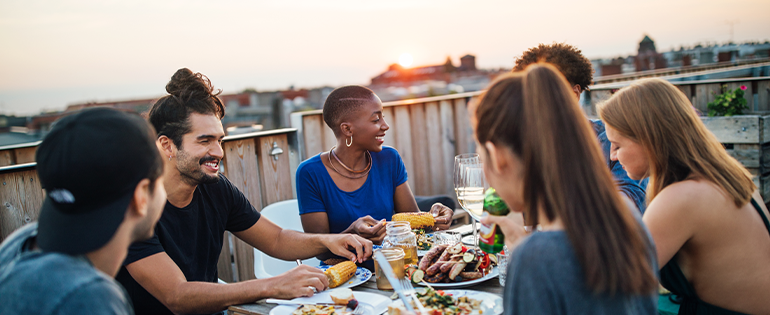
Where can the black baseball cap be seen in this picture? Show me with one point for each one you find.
(89, 164)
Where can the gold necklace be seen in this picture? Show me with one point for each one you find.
(366, 171)
(369, 155)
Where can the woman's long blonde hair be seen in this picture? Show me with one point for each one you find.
(535, 114)
(655, 114)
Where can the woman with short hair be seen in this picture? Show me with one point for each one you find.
(704, 211)
(359, 183)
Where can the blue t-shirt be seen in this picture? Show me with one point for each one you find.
(635, 190)
(38, 282)
(317, 192)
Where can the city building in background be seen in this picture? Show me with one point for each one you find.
(648, 57)
(252, 110)
(399, 83)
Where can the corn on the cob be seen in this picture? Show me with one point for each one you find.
(418, 220)
(340, 273)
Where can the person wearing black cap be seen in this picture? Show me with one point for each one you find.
(102, 173)
(176, 270)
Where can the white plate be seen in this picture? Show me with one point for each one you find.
(374, 304)
(362, 275)
(491, 304)
(462, 284)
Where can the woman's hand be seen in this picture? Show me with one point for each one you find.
(511, 225)
(443, 216)
(368, 228)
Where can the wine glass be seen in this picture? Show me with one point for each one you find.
(460, 174)
(474, 186)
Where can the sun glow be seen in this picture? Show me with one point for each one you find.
(405, 60)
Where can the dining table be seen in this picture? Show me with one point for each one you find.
(261, 308)
(460, 218)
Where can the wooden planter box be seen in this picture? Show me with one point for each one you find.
(747, 139)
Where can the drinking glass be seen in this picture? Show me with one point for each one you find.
(474, 185)
(448, 238)
(470, 184)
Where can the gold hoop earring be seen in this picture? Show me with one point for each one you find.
(351, 141)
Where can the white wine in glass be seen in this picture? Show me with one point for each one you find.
(459, 180)
(472, 200)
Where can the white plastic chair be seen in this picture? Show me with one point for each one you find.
(286, 215)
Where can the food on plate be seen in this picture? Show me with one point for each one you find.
(340, 273)
(417, 220)
(424, 240)
(441, 303)
(341, 296)
(308, 309)
(414, 273)
(344, 299)
(431, 256)
(454, 264)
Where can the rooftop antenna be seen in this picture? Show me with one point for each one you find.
(732, 29)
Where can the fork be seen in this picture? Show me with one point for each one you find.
(409, 291)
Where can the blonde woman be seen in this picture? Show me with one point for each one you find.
(540, 153)
(704, 212)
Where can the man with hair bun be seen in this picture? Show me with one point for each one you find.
(176, 270)
(578, 71)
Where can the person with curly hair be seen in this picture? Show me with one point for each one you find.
(578, 71)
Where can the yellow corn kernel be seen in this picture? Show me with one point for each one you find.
(340, 273)
(418, 220)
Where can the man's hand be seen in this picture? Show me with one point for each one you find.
(368, 228)
(342, 244)
(511, 225)
(443, 216)
(298, 282)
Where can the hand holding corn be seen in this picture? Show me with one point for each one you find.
(418, 220)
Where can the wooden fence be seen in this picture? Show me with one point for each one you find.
(248, 164)
(700, 93)
(429, 132)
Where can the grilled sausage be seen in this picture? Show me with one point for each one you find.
(470, 275)
(456, 270)
(431, 256)
(436, 267)
(452, 262)
(435, 279)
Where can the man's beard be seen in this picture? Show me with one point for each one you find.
(194, 175)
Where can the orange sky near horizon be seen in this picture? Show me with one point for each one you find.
(57, 53)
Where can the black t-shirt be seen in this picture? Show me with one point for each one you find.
(192, 236)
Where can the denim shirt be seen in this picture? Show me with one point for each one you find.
(634, 190)
(38, 282)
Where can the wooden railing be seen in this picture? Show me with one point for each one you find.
(248, 164)
(700, 93)
(429, 132)
(18, 154)
(676, 70)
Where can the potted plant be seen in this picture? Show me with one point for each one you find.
(729, 103)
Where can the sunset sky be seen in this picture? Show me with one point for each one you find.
(55, 53)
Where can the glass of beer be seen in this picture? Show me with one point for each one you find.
(395, 256)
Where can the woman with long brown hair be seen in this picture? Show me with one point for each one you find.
(704, 212)
(592, 256)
